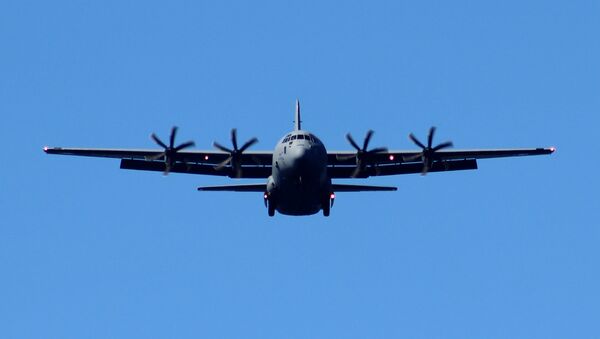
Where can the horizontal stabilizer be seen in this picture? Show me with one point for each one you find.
(235, 188)
(360, 188)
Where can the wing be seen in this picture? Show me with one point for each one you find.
(263, 188)
(236, 188)
(254, 164)
(343, 165)
(360, 188)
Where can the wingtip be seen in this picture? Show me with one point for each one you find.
(552, 149)
(45, 149)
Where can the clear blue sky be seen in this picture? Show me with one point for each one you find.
(91, 251)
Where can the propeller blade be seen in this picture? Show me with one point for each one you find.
(415, 140)
(363, 155)
(248, 144)
(172, 138)
(356, 172)
(443, 145)
(234, 154)
(158, 156)
(430, 136)
(352, 142)
(170, 152)
(238, 171)
(224, 163)
(234, 139)
(221, 147)
(158, 141)
(427, 164)
(378, 150)
(345, 157)
(168, 167)
(413, 157)
(427, 155)
(367, 140)
(184, 145)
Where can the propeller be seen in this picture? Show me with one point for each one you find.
(363, 156)
(170, 152)
(428, 153)
(235, 154)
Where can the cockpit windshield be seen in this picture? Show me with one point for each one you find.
(309, 137)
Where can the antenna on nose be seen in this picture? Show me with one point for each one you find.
(297, 121)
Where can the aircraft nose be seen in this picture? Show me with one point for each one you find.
(300, 154)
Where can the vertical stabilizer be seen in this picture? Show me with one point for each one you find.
(297, 121)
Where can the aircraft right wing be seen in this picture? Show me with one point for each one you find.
(343, 164)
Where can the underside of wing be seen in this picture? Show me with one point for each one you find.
(248, 172)
(400, 168)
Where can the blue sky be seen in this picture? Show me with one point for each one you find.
(91, 251)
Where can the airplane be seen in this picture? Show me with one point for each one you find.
(300, 170)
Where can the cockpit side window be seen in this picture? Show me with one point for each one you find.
(293, 137)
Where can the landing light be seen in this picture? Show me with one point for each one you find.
(391, 157)
(332, 196)
(206, 157)
(266, 196)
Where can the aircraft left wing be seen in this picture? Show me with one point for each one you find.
(254, 164)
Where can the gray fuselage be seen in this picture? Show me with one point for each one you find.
(299, 184)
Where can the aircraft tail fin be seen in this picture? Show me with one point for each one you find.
(297, 121)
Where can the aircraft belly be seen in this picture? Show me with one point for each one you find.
(302, 199)
(301, 183)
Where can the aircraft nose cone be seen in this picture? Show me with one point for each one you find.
(300, 154)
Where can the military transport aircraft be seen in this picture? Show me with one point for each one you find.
(300, 170)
